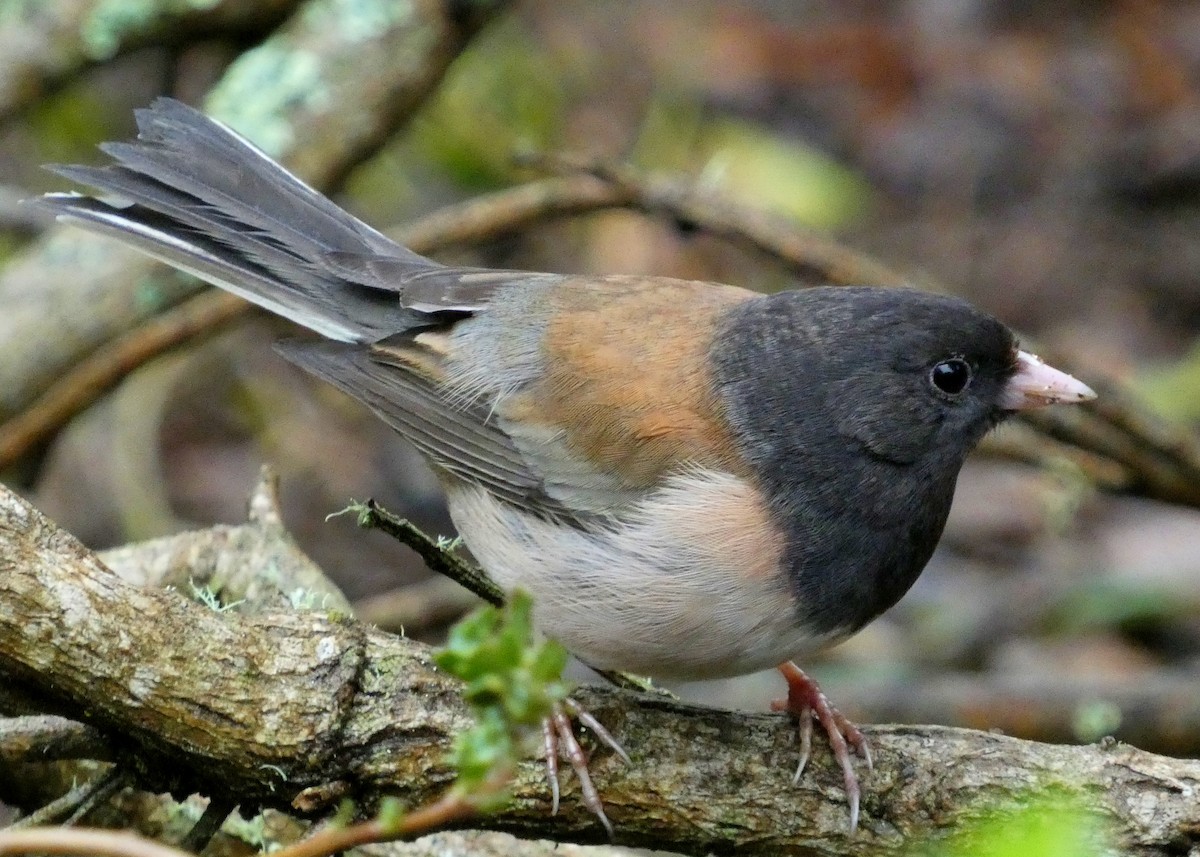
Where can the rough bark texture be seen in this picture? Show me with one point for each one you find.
(299, 708)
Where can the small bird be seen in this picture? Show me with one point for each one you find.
(692, 480)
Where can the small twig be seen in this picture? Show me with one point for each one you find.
(76, 803)
(497, 215)
(450, 808)
(438, 558)
(814, 257)
(107, 786)
(55, 811)
(100, 372)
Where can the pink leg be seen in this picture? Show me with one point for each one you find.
(550, 740)
(806, 700)
(559, 737)
(585, 718)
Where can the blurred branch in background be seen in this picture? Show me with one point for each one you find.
(98, 372)
(43, 43)
(811, 256)
(319, 94)
(46, 42)
(1160, 712)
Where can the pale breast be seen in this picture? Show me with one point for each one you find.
(686, 585)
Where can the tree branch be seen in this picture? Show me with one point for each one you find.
(272, 709)
(100, 371)
(47, 738)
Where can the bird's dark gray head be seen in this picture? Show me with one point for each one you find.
(856, 408)
(899, 374)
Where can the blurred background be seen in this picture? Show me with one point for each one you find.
(1040, 159)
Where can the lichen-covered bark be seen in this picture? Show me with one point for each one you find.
(301, 708)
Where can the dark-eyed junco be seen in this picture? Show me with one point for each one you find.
(692, 480)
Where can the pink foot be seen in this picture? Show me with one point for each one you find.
(559, 737)
(806, 700)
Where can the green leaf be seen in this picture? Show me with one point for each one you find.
(1039, 823)
(512, 685)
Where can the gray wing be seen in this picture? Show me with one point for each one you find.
(459, 437)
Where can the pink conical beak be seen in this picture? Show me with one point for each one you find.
(1036, 384)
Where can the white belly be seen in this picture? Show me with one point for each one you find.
(687, 586)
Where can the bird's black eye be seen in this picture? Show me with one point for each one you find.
(951, 376)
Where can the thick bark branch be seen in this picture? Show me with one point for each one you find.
(285, 708)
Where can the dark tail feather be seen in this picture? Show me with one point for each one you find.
(200, 197)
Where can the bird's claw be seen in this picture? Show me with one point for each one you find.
(807, 702)
(558, 736)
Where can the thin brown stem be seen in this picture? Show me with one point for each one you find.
(86, 842)
(89, 380)
(450, 808)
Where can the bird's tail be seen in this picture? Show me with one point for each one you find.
(197, 195)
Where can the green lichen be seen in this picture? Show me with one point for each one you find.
(113, 22)
(268, 83)
(302, 598)
(357, 20)
(261, 89)
(211, 599)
